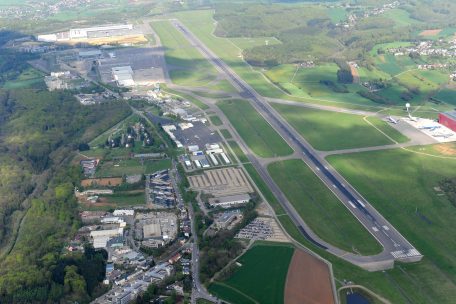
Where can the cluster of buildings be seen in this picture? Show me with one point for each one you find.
(160, 190)
(212, 155)
(89, 166)
(64, 81)
(353, 18)
(89, 32)
(36, 10)
(127, 288)
(128, 136)
(426, 48)
(155, 229)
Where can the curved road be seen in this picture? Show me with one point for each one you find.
(395, 246)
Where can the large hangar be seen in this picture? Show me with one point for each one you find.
(448, 119)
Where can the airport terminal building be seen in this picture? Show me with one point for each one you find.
(448, 119)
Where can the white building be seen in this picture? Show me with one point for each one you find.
(127, 212)
(230, 200)
(123, 75)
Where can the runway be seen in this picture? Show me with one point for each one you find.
(395, 246)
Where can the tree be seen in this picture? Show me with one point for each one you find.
(344, 76)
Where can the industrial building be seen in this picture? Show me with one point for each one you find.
(89, 32)
(448, 119)
(229, 200)
(123, 75)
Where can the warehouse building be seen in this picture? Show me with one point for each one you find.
(229, 200)
(123, 76)
(448, 119)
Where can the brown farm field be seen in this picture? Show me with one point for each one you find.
(108, 181)
(308, 280)
(430, 32)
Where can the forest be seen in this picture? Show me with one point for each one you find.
(307, 32)
(40, 131)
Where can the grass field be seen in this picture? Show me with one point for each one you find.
(215, 120)
(191, 68)
(321, 209)
(446, 95)
(237, 150)
(131, 167)
(406, 283)
(410, 202)
(226, 134)
(327, 130)
(337, 14)
(202, 25)
(401, 18)
(261, 276)
(253, 128)
(26, 79)
(250, 42)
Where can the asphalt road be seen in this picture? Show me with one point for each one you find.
(395, 246)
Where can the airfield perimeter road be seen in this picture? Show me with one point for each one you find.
(395, 246)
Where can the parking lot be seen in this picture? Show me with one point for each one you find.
(199, 135)
(146, 64)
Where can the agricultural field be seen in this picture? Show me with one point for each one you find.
(401, 18)
(187, 66)
(413, 204)
(261, 276)
(254, 129)
(321, 209)
(326, 130)
(131, 167)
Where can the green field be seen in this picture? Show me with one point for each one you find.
(411, 203)
(200, 22)
(446, 95)
(327, 130)
(250, 42)
(261, 276)
(26, 79)
(127, 199)
(337, 14)
(237, 150)
(215, 120)
(188, 66)
(401, 18)
(321, 209)
(226, 134)
(254, 130)
(131, 167)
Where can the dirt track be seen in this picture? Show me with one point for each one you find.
(308, 281)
